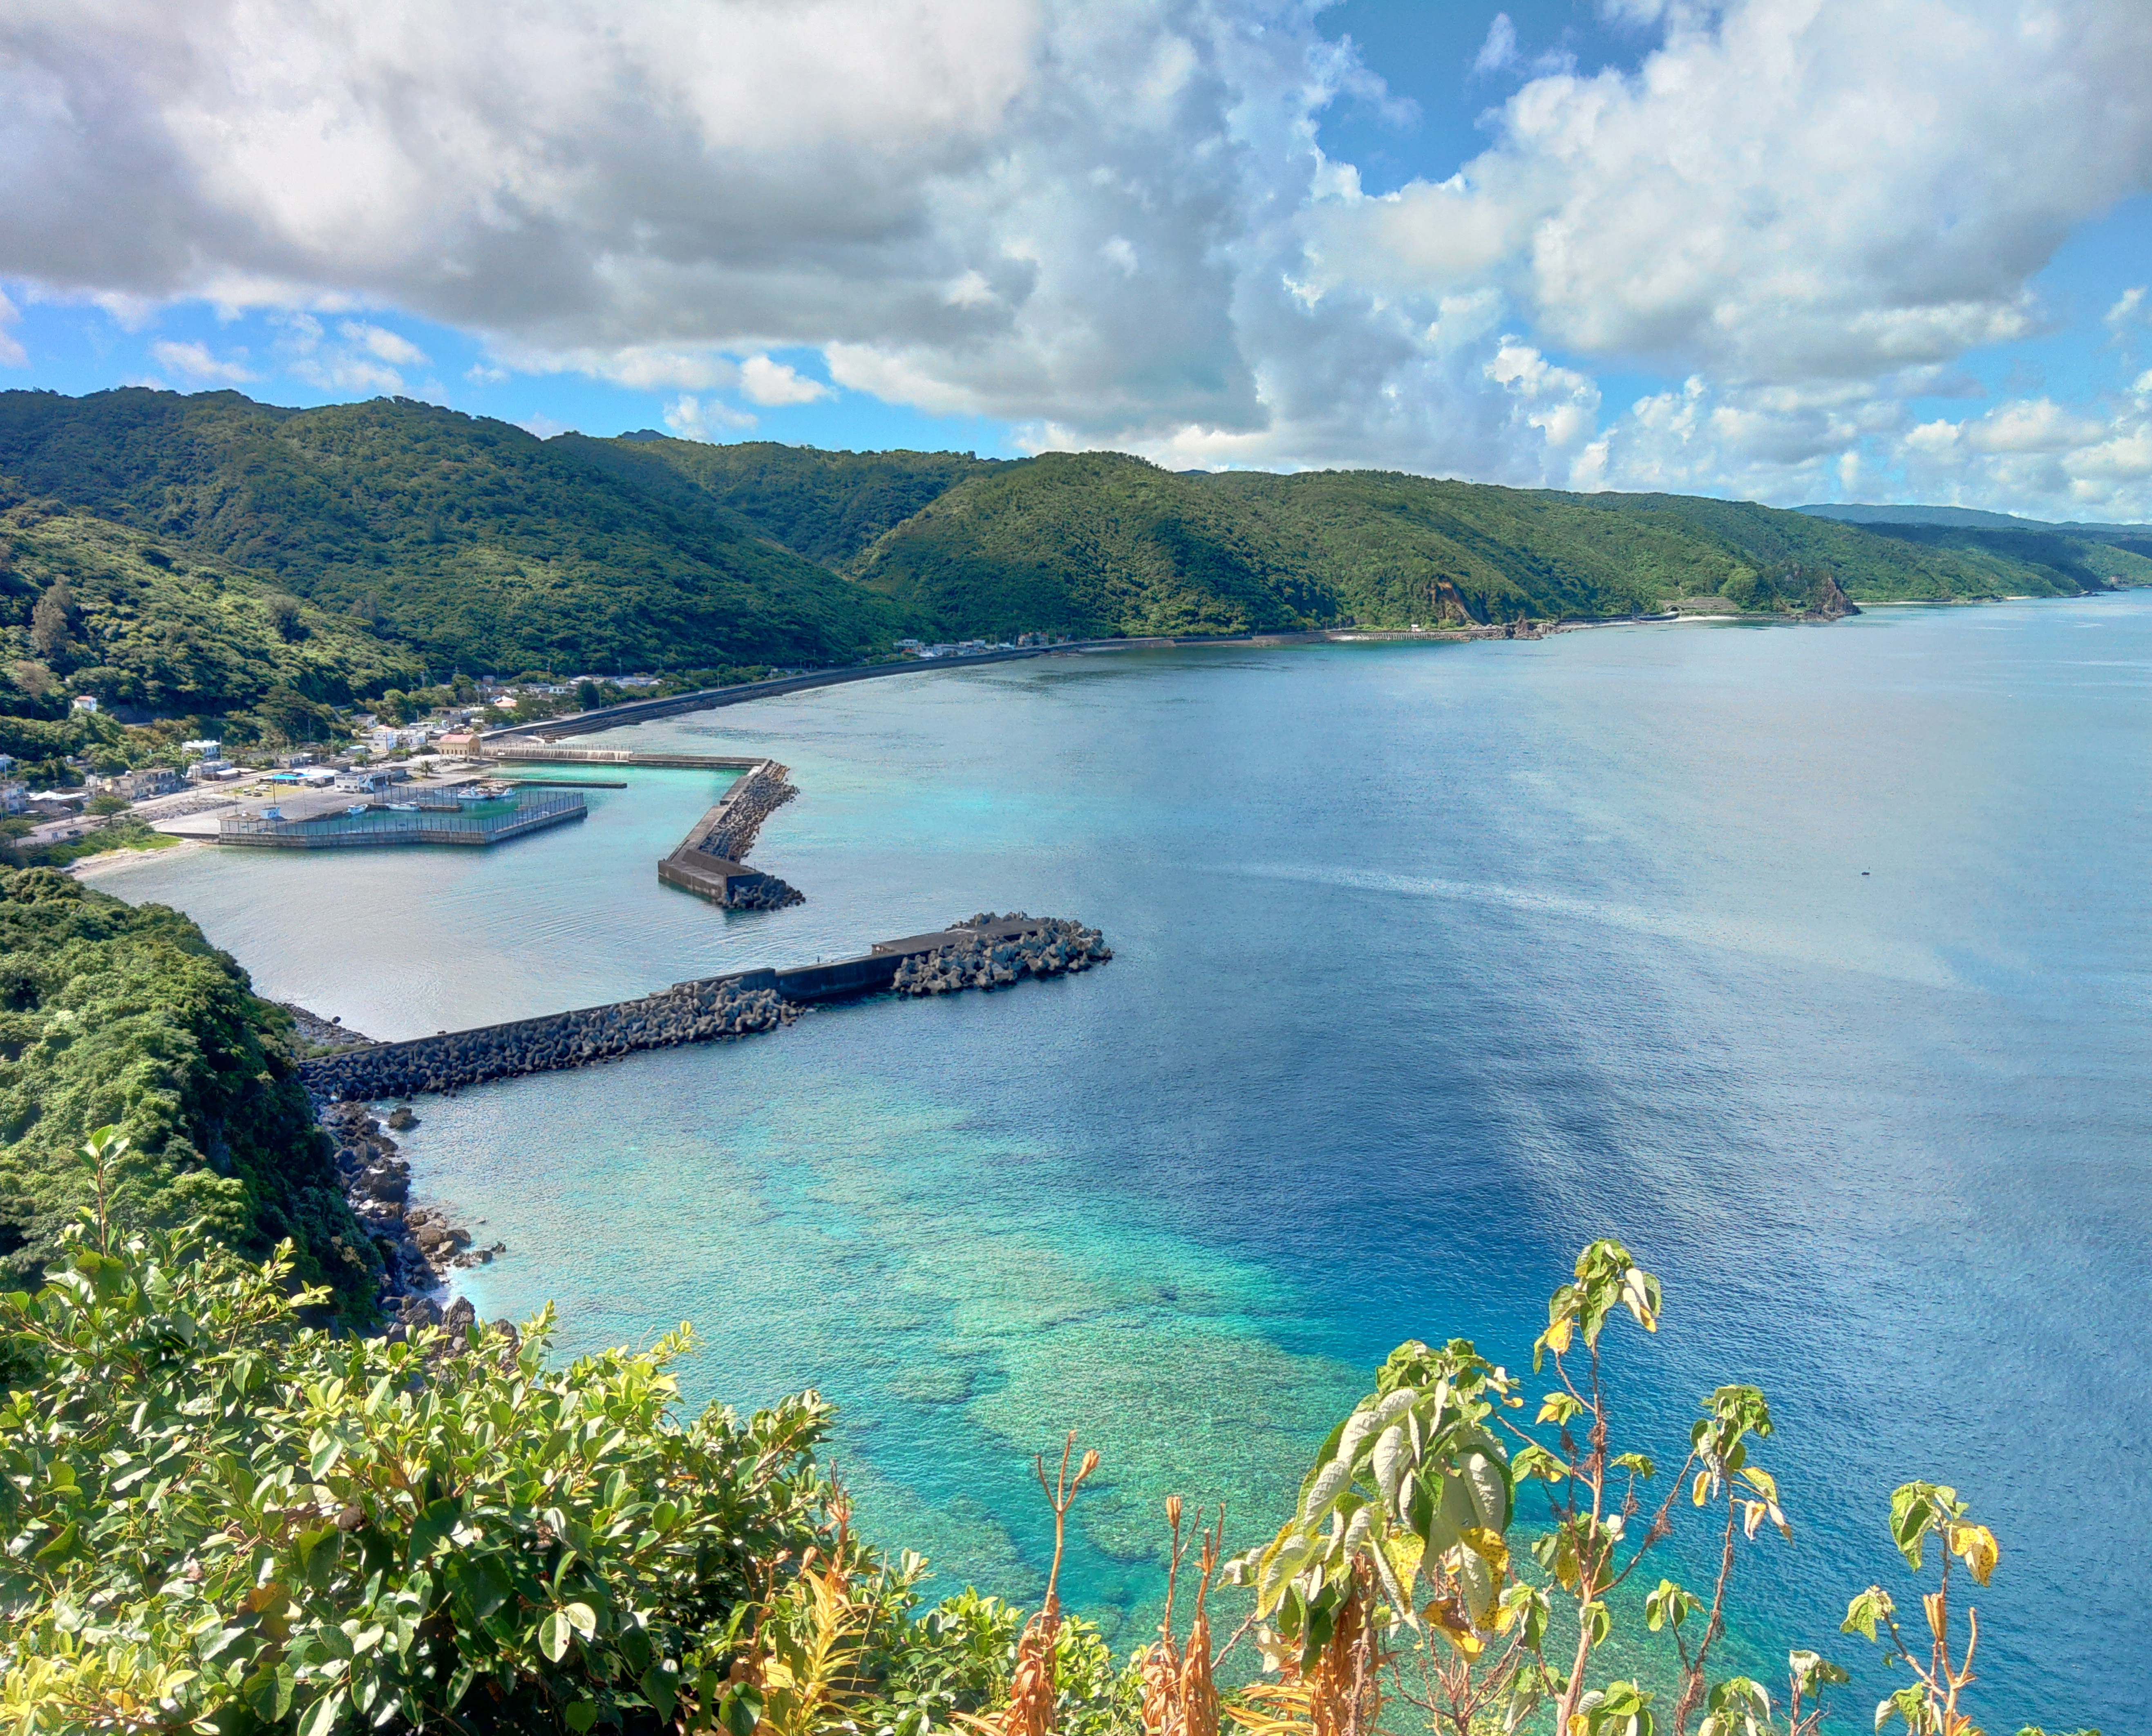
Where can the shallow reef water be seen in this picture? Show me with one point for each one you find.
(1814, 961)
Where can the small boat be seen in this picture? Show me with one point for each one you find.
(403, 807)
(357, 808)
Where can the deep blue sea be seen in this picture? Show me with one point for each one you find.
(1813, 962)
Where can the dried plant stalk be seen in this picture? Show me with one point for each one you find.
(1199, 1689)
(1030, 1709)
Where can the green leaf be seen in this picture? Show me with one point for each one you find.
(432, 1526)
(321, 1717)
(323, 1451)
(583, 1618)
(580, 1715)
(553, 1636)
(661, 1687)
(741, 1709)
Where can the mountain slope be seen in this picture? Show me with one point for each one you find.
(172, 636)
(116, 1015)
(1099, 543)
(478, 544)
(828, 506)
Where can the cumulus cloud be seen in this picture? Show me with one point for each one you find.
(1114, 221)
(772, 384)
(195, 362)
(704, 418)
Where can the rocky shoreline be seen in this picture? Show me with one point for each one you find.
(1055, 948)
(419, 1246)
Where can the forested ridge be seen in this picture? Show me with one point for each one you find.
(211, 558)
(117, 1015)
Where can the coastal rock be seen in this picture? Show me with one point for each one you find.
(1055, 947)
(401, 1118)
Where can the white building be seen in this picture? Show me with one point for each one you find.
(85, 702)
(14, 798)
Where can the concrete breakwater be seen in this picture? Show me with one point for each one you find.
(1054, 948)
(986, 952)
(526, 752)
(711, 860)
(686, 1012)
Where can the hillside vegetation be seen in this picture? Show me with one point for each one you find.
(395, 543)
(90, 606)
(116, 1015)
(1102, 544)
(826, 505)
(475, 544)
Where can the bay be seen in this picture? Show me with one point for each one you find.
(1433, 962)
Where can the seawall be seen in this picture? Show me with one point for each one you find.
(643, 711)
(711, 860)
(986, 952)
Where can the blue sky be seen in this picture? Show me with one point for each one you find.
(1788, 250)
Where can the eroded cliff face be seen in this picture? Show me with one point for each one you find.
(1831, 603)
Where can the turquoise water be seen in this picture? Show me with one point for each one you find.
(1433, 962)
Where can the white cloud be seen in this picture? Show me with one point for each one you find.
(2129, 307)
(1112, 222)
(11, 352)
(1499, 50)
(195, 362)
(773, 384)
(384, 344)
(704, 418)
(2040, 425)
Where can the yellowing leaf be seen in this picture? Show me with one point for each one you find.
(1976, 1543)
(1489, 1545)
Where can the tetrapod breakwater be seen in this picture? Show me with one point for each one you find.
(983, 951)
(711, 860)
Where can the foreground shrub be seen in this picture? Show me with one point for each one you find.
(216, 1515)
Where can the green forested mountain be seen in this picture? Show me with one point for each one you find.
(115, 1015)
(478, 546)
(1105, 544)
(826, 505)
(407, 537)
(90, 606)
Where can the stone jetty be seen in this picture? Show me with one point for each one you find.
(686, 1012)
(982, 952)
(1052, 948)
(712, 860)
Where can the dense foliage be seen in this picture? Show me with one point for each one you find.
(87, 606)
(123, 1015)
(1097, 543)
(218, 1517)
(826, 505)
(476, 544)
